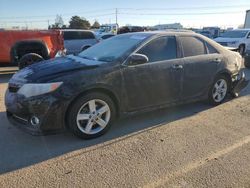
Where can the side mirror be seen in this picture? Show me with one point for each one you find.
(137, 59)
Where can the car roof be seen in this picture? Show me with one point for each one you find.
(179, 33)
(165, 32)
(65, 30)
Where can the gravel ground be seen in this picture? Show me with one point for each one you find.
(195, 145)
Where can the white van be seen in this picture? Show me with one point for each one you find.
(77, 40)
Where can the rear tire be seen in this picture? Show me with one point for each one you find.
(91, 115)
(219, 89)
(29, 59)
(242, 49)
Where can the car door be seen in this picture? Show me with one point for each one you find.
(156, 82)
(200, 66)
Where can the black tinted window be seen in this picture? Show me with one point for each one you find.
(75, 35)
(163, 48)
(192, 46)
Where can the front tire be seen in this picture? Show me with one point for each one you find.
(218, 91)
(91, 115)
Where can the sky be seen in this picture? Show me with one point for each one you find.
(190, 13)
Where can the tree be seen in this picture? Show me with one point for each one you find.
(78, 23)
(95, 25)
(58, 23)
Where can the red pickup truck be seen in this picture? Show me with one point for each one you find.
(26, 47)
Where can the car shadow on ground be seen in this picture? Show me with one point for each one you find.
(19, 149)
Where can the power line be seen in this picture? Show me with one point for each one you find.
(44, 16)
(189, 8)
(176, 14)
(46, 20)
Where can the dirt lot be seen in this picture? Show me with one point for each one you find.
(194, 145)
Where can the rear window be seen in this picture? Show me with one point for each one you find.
(76, 35)
(192, 46)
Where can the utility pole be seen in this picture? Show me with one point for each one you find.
(48, 24)
(116, 22)
(116, 12)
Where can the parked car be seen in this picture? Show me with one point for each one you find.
(77, 40)
(130, 29)
(206, 34)
(126, 74)
(26, 47)
(238, 38)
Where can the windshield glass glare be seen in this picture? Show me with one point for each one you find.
(113, 48)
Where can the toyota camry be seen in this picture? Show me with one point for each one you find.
(125, 74)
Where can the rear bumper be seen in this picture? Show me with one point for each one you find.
(239, 83)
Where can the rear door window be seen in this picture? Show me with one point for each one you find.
(77, 35)
(192, 46)
(86, 35)
(160, 49)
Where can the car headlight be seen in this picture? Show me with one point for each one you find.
(30, 90)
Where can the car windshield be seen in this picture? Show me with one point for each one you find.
(234, 34)
(114, 48)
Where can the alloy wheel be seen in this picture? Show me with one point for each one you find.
(220, 90)
(93, 116)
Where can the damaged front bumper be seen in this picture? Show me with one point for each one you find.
(239, 82)
(38, 115)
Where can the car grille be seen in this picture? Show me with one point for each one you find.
(223, 43)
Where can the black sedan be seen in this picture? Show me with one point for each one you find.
(125, 74)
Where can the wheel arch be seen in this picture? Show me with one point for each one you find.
(84, 47)
(102, 90)
(23, 47)
(227, 74)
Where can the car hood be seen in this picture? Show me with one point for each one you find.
(47, 70)
(221, 39)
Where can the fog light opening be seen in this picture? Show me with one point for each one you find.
(34, 121)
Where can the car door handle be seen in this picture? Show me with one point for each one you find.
(177, 67)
